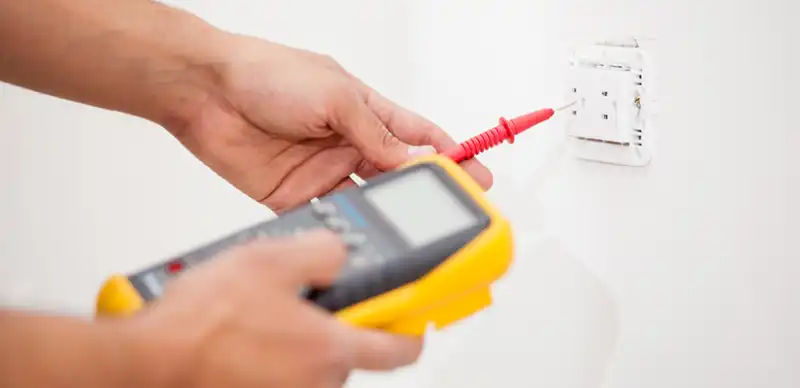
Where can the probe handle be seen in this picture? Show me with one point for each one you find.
(505, 131)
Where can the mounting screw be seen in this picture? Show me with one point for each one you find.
(574, 90)
(574, 113)
(605, 94)
(605, 117)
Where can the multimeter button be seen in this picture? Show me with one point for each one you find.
(323, 209)
(354, 240)
(357, 262)
(378, 259)
(174, 267)
(336, 224)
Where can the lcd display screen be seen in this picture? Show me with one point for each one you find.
(421, 207)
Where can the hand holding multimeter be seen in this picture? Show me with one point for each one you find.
(417, 246)
(421, 246)
(210, 318)
(424, 244)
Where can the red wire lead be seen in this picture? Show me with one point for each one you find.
(506, 131)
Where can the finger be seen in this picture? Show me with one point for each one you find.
(342, 185)
(376, 350)
(442, 142)
(484, 178)
(312, 258)
(346, 183)
(317, 175)
(367, 170)
(422, 150)
(354, 120)
(413, 129)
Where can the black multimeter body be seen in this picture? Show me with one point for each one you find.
(397, 228)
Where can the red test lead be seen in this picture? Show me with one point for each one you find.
(505, 131)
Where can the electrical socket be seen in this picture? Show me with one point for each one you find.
(607, 122)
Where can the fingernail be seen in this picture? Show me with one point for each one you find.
(421, 150)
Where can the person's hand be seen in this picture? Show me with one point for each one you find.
(239, 321)
(287, 125)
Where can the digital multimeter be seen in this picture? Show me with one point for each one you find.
(424, 246)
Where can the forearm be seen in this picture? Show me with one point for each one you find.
(135, 56)
(40, 351)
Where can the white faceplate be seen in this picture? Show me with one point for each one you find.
(609, 120)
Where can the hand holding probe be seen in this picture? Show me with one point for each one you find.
(406, 268)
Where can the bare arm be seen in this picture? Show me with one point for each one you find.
(234, 322)
(39, 351)
(138, 57)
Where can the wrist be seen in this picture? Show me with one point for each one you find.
(148, 359)
(189, 78)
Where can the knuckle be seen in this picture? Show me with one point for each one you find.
(342, 104)
(279, 203)
(342, 95)
(388, 141)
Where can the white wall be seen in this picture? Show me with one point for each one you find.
(693, 285)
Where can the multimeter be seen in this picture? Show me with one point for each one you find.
(424, 247)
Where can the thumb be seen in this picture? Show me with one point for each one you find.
(309, 259)
(376, 350)
(357, 123)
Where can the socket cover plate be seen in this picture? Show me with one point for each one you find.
(609, 121)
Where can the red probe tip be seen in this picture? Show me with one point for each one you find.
(505, 131)
(524, 122)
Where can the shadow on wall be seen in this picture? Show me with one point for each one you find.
(553, 324)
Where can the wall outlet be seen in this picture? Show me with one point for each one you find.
(609, 120)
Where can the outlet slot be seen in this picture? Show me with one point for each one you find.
(616, 143)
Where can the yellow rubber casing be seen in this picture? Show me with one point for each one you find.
(118, 297)
(456, 289)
